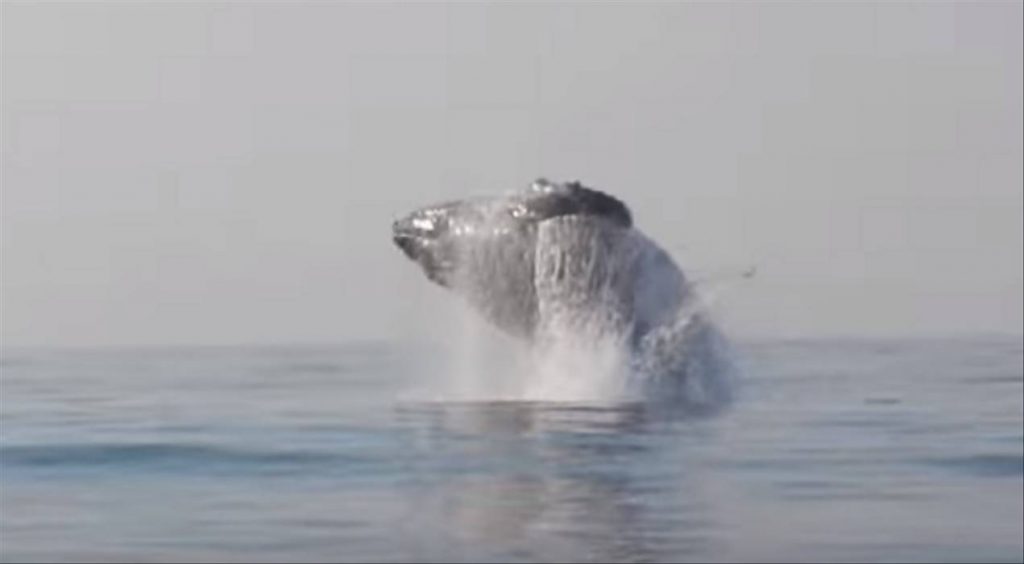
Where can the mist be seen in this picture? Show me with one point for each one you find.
(223, 174)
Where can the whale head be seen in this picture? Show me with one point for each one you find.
(485, 249)
(440, 237)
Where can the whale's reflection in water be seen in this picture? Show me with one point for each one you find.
(538, 481)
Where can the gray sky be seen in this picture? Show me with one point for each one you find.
(228, 173)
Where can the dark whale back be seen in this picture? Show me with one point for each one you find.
(547, 200)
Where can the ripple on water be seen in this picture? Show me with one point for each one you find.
(995, 465)
(181, 458)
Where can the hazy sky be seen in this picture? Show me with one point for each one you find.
(228, 173)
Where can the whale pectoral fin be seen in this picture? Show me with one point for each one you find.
(582, 277)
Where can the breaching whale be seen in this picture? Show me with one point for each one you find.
(561, 260)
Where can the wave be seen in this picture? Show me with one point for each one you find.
(169, 457)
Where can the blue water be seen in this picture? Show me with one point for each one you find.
(832, 451)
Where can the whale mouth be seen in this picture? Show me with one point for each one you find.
(411, 234)
(418, 242)
(407, 243)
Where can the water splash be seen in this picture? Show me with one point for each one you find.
(610, 318)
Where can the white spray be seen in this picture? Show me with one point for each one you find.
(615, 321)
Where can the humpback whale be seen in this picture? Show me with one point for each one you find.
(564, 261)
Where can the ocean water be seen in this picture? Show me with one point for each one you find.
(833, 450)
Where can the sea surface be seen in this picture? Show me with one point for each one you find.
(833, 450)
